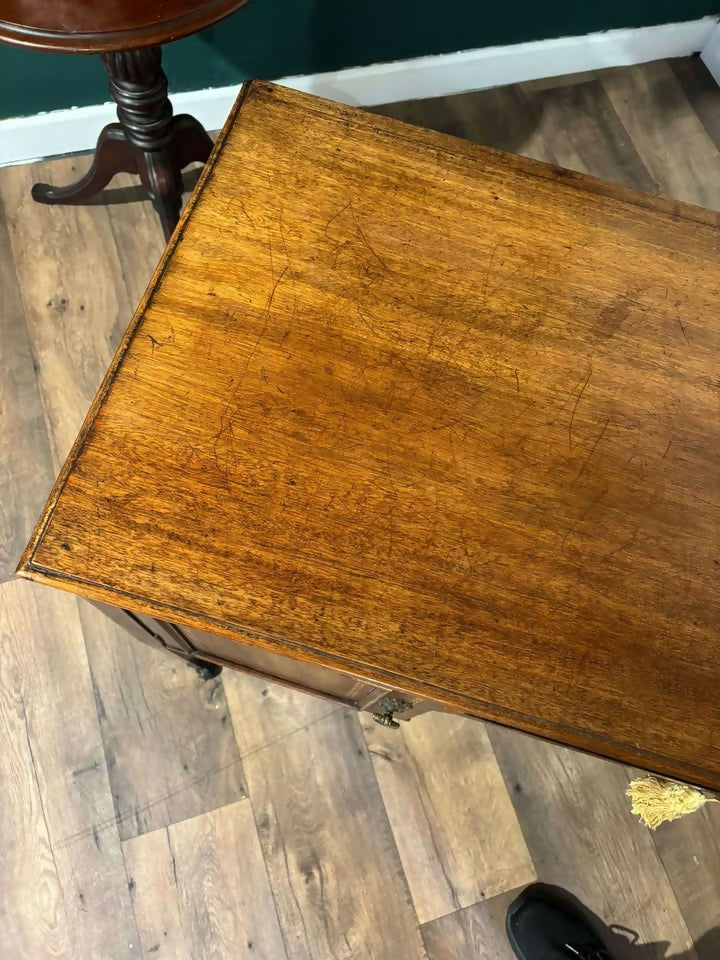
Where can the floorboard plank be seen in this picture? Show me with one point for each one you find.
(702, 93)
(200, 890)
(574, 126)
(281, 711)
(503, 117)
(26, 473)
(690, 852)
(152, 881)
(138, 241)
(454, 824)
(169, 742)
(170, 745)
(476, 932)
(334, 869)
(226, 906)
(578, 128)
(61, 868)
(72, 294)
(667, 133)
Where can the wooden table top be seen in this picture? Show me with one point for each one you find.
(437, 415)
(77, 26)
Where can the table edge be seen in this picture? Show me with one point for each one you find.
(576, 738)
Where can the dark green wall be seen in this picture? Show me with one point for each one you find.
(275, 38)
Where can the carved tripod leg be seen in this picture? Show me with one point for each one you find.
(163, 181)
(139, 88)
(191, 142)
(147, 141)
(113, 154)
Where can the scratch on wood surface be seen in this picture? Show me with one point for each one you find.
(488, 270)
(586, 512)
(335, 216)
(79, 771)
(589, 457)
(623, 546)
(577, 402)
(289, 263)
(266, 322)
(172, 857)
(247, 216)
(506, 279)
(682, 328)
(367, 243)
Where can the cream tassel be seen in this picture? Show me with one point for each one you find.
(657, 801)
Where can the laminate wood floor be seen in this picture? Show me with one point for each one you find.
(148, 814)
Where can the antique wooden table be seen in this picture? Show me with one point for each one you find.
(147, 140)
(408, 422)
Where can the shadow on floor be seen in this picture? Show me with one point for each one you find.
(706, 948)
(623, 943)
(114, 195)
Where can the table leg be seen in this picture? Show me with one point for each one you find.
(147, 140)
(113, 154)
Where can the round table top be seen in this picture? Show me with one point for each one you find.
(97, 26)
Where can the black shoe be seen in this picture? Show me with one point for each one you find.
(542, 926)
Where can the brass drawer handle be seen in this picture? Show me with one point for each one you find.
(389, 706)
(386, 720)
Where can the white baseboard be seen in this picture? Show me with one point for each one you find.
(710, 53)
(65, 131)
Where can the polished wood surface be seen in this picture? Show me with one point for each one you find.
(445, 420)
(72, 305)
(76, 26)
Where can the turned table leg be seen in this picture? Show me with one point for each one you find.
(147, 140)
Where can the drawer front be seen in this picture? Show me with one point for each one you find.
(309, 677)
(305, 676)
(385, 703)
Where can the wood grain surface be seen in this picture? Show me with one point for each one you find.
(152, 881)
(26, 473)
(694, 178)
(433, 810)
(476, 931)
(447, 419)
(328, 846)
(225, 902)
(54, 849)
(200, 889)
(690, 855)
